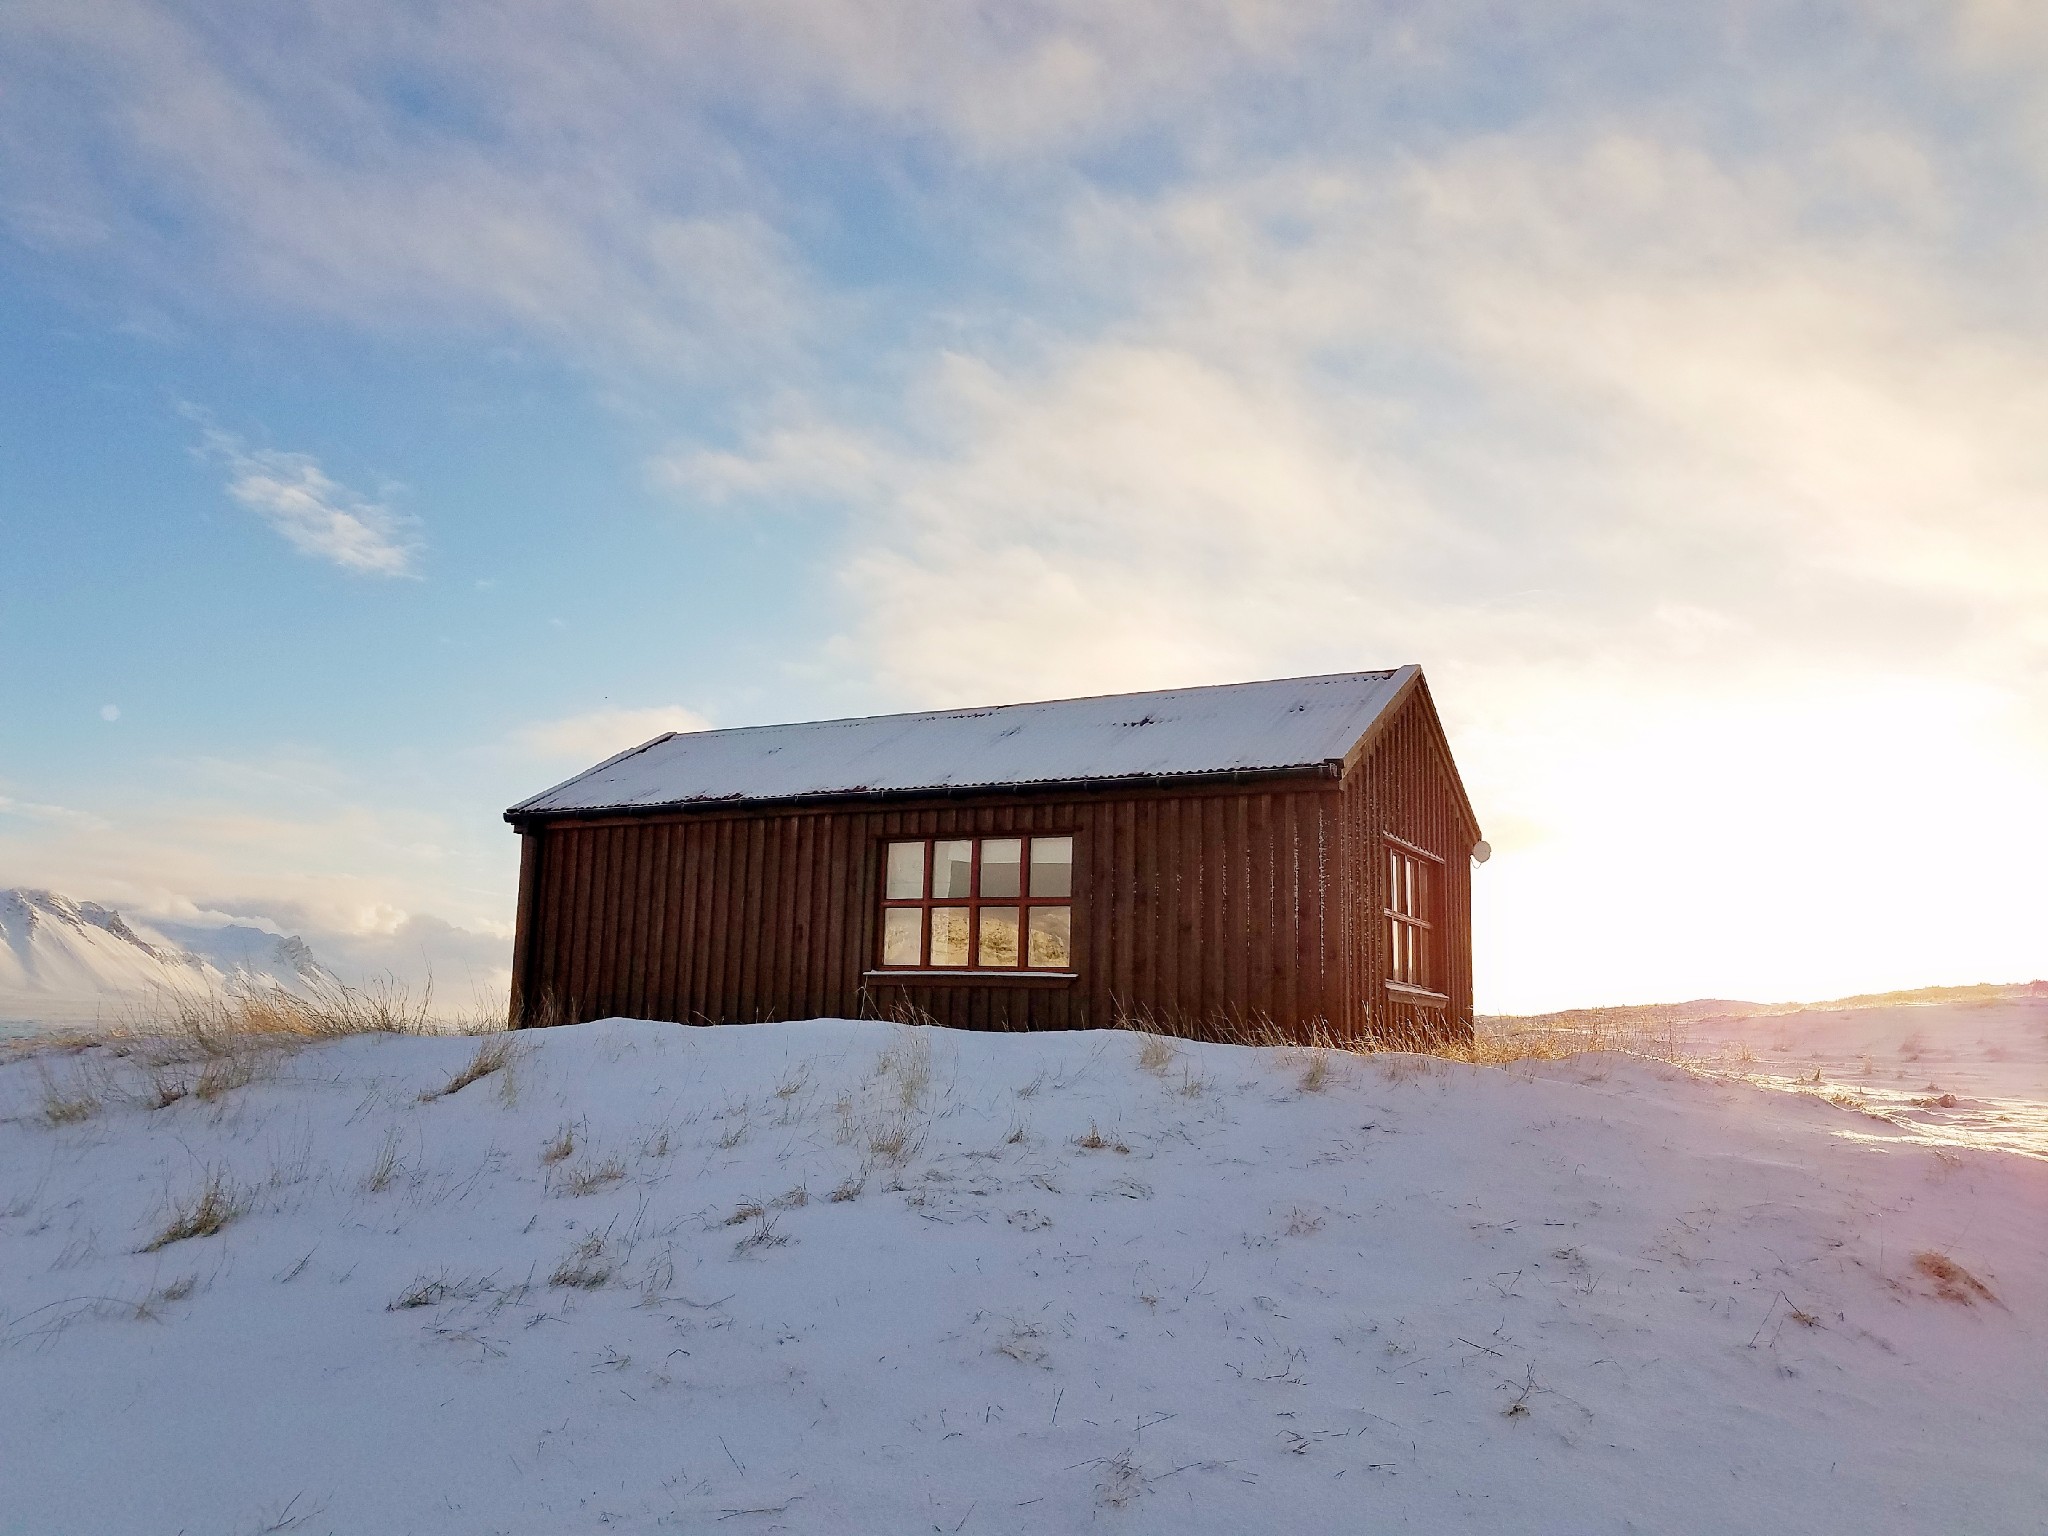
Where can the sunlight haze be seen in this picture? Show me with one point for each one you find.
(405, 408)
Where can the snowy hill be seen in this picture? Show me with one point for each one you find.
(836, 1276)
(63, 960)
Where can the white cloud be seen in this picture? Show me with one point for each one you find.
(110, 713)
(316, 514)
(53, 815)
(1721, 526)
(598, 734)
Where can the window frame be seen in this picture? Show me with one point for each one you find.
(1422, 926)
(1022, 904)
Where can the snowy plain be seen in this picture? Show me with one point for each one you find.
(848, 1276)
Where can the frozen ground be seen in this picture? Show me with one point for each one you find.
(852, 1277)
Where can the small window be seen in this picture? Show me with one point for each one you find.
(1410, 915)
(978, 904)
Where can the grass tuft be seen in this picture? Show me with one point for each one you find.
(216, 1203)
(387, 1167)
(492, 1055)
(1095, 1141)
(587, 1267)
(1952, 1282)
(562, 1148)
(68, 1104)
(589, 1178)
(150, 1308)
(1156, 1053)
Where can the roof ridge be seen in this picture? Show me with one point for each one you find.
(1256, 725)
(961, 711)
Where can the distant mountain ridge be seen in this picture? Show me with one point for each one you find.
(63, 959)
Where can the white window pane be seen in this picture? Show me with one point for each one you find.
(949, 936)
(903, 934)
(1052, 866)
(1052, 937)
(953, 868)
(1000, 871)
(998, 944)
(905, 880)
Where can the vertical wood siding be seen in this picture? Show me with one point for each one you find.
(1405, 785)
(1245, 902)
(1186, 905)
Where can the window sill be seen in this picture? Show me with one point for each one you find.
(1420, 996)
(970, 978)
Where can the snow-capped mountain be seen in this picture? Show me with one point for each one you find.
(62, 959)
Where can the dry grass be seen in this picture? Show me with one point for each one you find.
(432, 1291)
(562, 1148)
(224, 1074)
(906, 1068)
(492, 1055)
(223, 1023)
(386, 1169)
(150, 1308)
(1156, 1054)
(68, 1103)
(1095, 1141)
(1493, 1042)
(1951, 1281)
(589, 1178)
(587, 1266)
(895, 1142)
(205, 1212)
(763, 1237)
(167, 1084)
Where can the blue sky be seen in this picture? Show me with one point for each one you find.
(404, 405)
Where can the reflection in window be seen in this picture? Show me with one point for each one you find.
(903, 934)
(1052, 937)
(953, 868)
(1001, 866)
(994, 903)
(998, 942)
(905, 880)
(1052, 866)
(949, 937)
(1410, 919)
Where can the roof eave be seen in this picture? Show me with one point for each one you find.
(525, 815)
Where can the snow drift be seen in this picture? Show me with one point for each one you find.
(837, 1276)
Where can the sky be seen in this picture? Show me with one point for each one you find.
(405, 405)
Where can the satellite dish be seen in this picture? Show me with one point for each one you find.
(1481, 851)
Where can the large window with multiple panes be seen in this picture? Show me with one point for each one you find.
(978, 904)
(1411, 913)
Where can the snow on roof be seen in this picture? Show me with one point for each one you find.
(1299, 722)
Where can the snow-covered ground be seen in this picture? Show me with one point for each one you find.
(855, 1277)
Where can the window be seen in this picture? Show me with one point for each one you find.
(1411, 928)
(979, 904)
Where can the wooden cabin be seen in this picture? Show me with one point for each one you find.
(1295, 853)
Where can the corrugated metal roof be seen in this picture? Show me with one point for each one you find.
(1298, 722)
